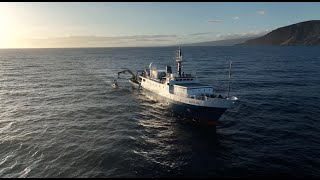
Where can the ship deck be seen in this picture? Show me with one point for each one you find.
(193, 85)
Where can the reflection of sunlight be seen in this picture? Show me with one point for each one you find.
(153, 112)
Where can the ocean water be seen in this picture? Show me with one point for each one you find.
(59, 116)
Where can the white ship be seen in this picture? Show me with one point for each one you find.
(183, 92)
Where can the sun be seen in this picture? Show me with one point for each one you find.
(7, 26)
(4, 34)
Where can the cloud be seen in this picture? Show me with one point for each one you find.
(261, 12)
(199, 34)
(214, 21)
(235, 18)
(130, 41)
(242, 35)
(99, 41)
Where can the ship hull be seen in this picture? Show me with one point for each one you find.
(134, 85)
(204, 115)
(200, 114)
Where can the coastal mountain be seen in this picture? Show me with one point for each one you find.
(303, 33)
(227, 42)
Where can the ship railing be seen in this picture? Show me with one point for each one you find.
(197, 97)
(205, 97)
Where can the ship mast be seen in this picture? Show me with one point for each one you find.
(179, 61)
(229, 78)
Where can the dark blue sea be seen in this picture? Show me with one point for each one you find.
(59, 116)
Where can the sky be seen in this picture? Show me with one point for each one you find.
(125, 24)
